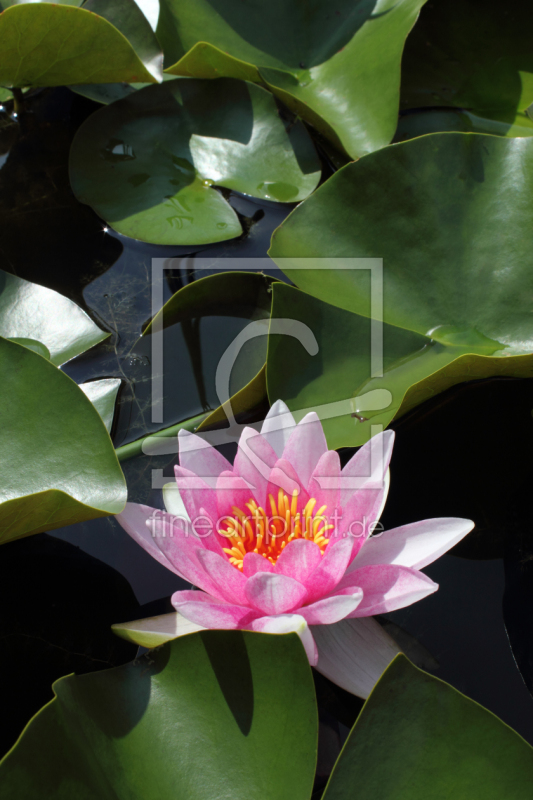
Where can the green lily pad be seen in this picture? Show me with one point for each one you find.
(336, 66)
(435, 742)
(32, 344)
(192, 719)
(326, 381)
(31, 311)
(457, 268)
(103, 396)
(234, 294)
(441, 120)
(147, 163)
(46, 44)
(247, 295)
(127, 17)
(58, 462)
(470, 54)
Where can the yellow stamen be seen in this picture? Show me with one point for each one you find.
(254, 532)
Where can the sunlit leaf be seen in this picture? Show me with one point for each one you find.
(31, 311)
(46, 44)
(457, 274)
(147, 163)
(191, 720)
(58, 463)
(127, 17)
(336, 66)
(103, 395)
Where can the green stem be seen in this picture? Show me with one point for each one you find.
(136, 448)
(18, 100)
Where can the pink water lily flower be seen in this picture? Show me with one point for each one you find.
(285, 540)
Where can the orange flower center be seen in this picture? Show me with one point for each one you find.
(256, 532)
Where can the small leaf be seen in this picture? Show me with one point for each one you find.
(103, 396)
(147, 163)
(31, 311)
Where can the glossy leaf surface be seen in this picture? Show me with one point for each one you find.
(192, 719)
(337, 66)
(59, 463)
(103, 396)
(471, 309)
(438, 744)
(147, 163)
(47, 44)
(127, 17)
(31, 311)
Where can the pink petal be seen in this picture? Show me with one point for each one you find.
(353, 653)
(289, 623)
(361, 514)
(325, 481)
(211, 613)
(232, 490)
(298, 559)
(133, 519)
(331, 569)
(274, 594)
(368, 465)
(229, 581)
(195, 493)
(277, 427)
(198, 456)
(181, 548)
(305, 446)
(254, 460)
(284, 477)
(253, 563)
(415, 545)
(332, 609)
(387, 588)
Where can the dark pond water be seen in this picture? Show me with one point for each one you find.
(465, 453)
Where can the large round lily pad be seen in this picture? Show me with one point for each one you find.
(335, 65)
(449, 215)
(147, 163)
(215, 714)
